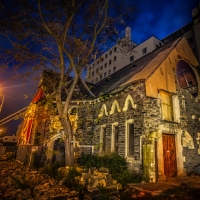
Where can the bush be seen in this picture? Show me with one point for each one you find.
(58, 172)
(114, 162)
(70, 180)
(52, 169)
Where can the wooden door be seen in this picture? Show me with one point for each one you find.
(169, 155)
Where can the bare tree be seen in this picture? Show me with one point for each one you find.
(63, 36)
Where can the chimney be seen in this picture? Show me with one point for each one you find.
(128, 32)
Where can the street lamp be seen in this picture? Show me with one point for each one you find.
(2, 100)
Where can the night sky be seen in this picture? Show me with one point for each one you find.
(154, 17)
(161, 17)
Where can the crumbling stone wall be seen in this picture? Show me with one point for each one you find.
(137, 92)
(24, 154)
(190, 122)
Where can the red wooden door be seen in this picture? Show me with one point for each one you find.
(169, 155)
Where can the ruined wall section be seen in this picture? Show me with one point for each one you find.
(152, 115)
(190, 125)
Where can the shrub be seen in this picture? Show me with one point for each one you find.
(52, 169)
(114, 162)
(70, 180)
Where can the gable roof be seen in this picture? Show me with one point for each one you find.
(50, 80)
(139, 70)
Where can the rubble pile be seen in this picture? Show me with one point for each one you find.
(19, 182)
(96, 180)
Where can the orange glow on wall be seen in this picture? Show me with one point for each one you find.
(29, 119)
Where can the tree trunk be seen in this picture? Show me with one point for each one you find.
(69, 148)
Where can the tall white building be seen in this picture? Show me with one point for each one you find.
(125, 51)
(121, 54)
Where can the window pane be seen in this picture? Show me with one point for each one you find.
(131, 59)
(103, 140)
(116, 139)
(131, 139)
(144, 51)
(167, 111)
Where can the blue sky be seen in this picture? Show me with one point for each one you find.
(154, 17)
(160, 17)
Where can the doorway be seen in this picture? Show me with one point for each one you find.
(169, 155)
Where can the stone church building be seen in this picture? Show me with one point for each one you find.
(147, 112)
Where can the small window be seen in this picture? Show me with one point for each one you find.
(92, 73)
(97, 62)
(105, 65)
(131, 58)
(115, 49)
(110, 53)
(92, 81)
(90, 68)
(167, 109)
(130, 140)
(110, 61)
(93, 66)
(103, 140)
(13, 139)
(97, 70)
(114, 68)
(6, 138)
(101, 59)
(109, 72)
(115, 58)
(100, 77)
(96, 79)
(106, 55)
(116, 138)
(105, 74)
(144, 51)
(101, 67)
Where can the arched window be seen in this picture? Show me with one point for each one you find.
(115, 105)
(128, 102)
(186, 77)
(103, 110)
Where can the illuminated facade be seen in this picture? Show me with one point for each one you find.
(148, 112)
